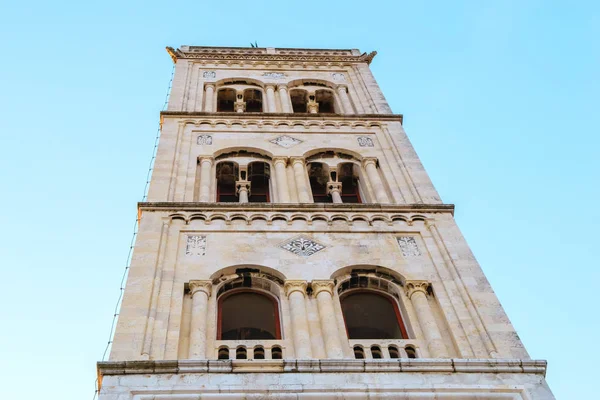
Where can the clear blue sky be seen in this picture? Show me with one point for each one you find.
(499, 100)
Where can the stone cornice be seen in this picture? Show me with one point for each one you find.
(282, 116)
(421, 365)
(256, 55)
(297, 207)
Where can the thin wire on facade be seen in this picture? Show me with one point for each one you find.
(133, 236)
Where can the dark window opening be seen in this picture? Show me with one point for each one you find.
(258, 175)
(259, 353)
(350, 191)
(240, 353)
(223, 353)
(319, 177)
(226, 177)
(253, 99)
(369, 315)
(225, 100)
(394, 353)
(359, 353)
(412, 353)
(325, 98)
(298, 98)
(276, 353)
(248, 315)
(376, 352)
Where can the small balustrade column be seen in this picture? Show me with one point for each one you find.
(296, 293)
(323, 291)
(209, 97)
(205, 178)
(243, 190)
(344, 99)
(370, 165)
(417, 292)
(283, 189)
(300, 174)
(270, 92)
(286, 102)
(200, 292)
(335, 189)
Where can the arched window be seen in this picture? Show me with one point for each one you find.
(319, 176)
(258, 175)
(350, 192)
(227, 173)
(371, 315)
(299, 99)
(225, 99)
(326, 101)
(253, 99)
(248, 315)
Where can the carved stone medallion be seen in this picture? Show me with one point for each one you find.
(205, 140)
(302, 246)
(338, 76)
(209, 74)
(286, 141)
(364, 141)
(195, 245)
(274, 75)
(408, 246)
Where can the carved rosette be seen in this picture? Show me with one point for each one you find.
(413, 287)
(292, 286)
(200, 286)
(322, 286)
(286, 141)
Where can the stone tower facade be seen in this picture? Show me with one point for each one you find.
(293, 247)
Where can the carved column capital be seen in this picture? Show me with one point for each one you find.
(413, 287)
(369, 160)
(270, 85)
(242, 185)
(334, 187)
(295, 286)
(282, 86)
(322, 286)
(280, 159)
(342, 88)
(209, 85)
(200, 286)
(294, 160)
(208, 159)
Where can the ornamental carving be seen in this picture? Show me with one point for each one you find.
(322, 286)
(364, 141)
(338, 77)
(408, 246)
(195, 245)
(209, 74)
(302, 246)
(294, 286)
(200, 286)
(286, 141)
(413, 287)
(205, 140)
(274, 75)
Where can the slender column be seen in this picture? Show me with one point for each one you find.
(281, 176)
(312, 106)
(344, 99)
(323, 291)
(286, 102)
(243, 190)
(209, 98)
(334, 189)
(300, 174)
(200, 292)
(370, 165)
(270, 91)
(296, 290)
(417, 293)
(205, 178)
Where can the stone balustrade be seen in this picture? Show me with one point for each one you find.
(249, 349)
(371, 349)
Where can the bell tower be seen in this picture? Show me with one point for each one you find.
(293, 247)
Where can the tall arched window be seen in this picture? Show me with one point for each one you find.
(326, 101)
(225, 99)
(371, 315)
(248, 315)
(227, 173)
(319, 176)
(299, 98)
(253, 99)
(258, 175)
(347, 176)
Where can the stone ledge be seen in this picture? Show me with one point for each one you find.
(296, 207)
(296, 116)
(431, 365)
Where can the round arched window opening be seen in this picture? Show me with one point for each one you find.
(371, 315)
(248, 315)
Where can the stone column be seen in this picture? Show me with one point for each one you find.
(417, 293)
(209, 98)
(344, 99)
(205, 178)
(243, 190)
(334, 189)
(300, 174)
(200, 292)
(296, 290)
(323, 292)
(270, 94)
(370, 165)
(283, 189)
(286, 102)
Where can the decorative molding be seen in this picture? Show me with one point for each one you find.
(415, 286)
(302, 246)
(286, 141)
(292, 286)
(274, 75)
(322, 286)
(365, 141)
(336, 76)
(209, 74)
(205, 140)
(408, 246)
(200, 286)
(195, 245)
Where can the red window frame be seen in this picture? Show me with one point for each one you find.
(238, 291)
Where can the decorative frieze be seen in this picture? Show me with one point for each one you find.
(205, 140)
(408, 246)
(286, 141)
(364, 141)
(195, 245)
(302, 246)
(209, 74)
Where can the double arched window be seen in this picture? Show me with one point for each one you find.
(250, 177)
(239, 96)
(248, 315)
